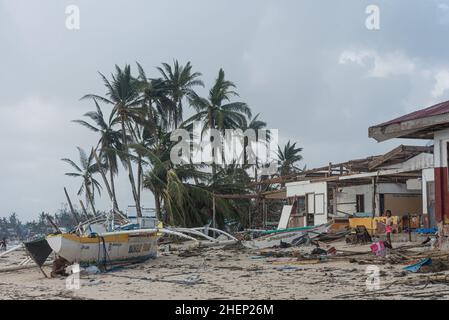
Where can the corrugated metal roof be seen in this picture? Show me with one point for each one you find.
(435, 110)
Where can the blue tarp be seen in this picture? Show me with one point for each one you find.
(415, 267)
(426, 230)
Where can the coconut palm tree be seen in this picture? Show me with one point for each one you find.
(288, 157)
(180, 81)
(217, 112)
(86, 171)
(109, 142)
(156, 103)
(124, 94)
(256, 125)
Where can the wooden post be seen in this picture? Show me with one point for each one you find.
(334, 200)
(84, 210)
(374, 183)
(213, 213)
(264, 213)
(77, 218)
(249, 215)
(409, 227)
(52, 223)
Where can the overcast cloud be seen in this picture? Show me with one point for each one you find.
(311, 68)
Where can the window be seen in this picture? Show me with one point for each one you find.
(301, 205)
(360, 203)
(319, 203)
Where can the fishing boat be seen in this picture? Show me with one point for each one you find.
(105, 248)
(116, 238)
(108, 239)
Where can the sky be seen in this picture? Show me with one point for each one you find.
(311, 68)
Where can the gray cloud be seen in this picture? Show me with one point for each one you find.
(311, 69)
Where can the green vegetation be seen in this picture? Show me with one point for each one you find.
(135, 131)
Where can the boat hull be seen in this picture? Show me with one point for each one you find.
(105, 249)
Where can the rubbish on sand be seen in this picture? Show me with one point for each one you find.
(10, 250)
(90, 270)
(378, 248)
(416, 266)
(292, 236)
(318, 251)
(359, 235)
(286, 268)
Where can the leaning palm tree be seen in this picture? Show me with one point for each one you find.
(180, 81)
(123, 93)
(109, 142)
(86, 170)
(288, 157)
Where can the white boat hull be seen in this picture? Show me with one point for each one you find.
(105, 248)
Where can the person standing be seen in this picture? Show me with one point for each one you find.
(388, 226)
(3, 244)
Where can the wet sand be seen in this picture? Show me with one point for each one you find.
(215, 273)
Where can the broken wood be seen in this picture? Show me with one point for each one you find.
(77, 218)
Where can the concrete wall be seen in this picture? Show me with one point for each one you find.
(346, 196)
(302, 188)
(441, 138)
(428, 175)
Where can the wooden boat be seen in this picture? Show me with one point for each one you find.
(105, 248)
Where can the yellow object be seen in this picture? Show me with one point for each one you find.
(371, 223)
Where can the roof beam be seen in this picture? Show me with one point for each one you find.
(405, 128)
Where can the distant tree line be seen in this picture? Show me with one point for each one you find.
(12, 227)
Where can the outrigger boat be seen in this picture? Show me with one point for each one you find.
(115, 238)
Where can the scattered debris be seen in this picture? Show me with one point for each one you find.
(359, 235)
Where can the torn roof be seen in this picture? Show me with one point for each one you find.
(369, 164)
(421, 124)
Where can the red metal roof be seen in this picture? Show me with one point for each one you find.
(438, 109)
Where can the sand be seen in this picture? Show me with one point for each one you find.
(215, 273)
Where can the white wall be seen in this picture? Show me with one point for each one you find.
(301, 188)
(418, 162)
(440, 151)
(428, 175)
(348, 194)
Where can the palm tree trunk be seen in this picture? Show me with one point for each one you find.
(105, 180)
(111, 177)
(157, 201)
(139, 177)
(90, 199)
(130, 168)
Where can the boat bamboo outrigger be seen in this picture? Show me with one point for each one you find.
(116, 238)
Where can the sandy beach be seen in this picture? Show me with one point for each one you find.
(218, 273)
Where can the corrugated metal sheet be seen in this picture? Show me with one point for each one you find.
(435, 110)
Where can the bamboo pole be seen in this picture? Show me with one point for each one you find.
(27, 266)
(77, 218)
(84, 210)
(52, 223)
(213, 213)
(10, 250)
